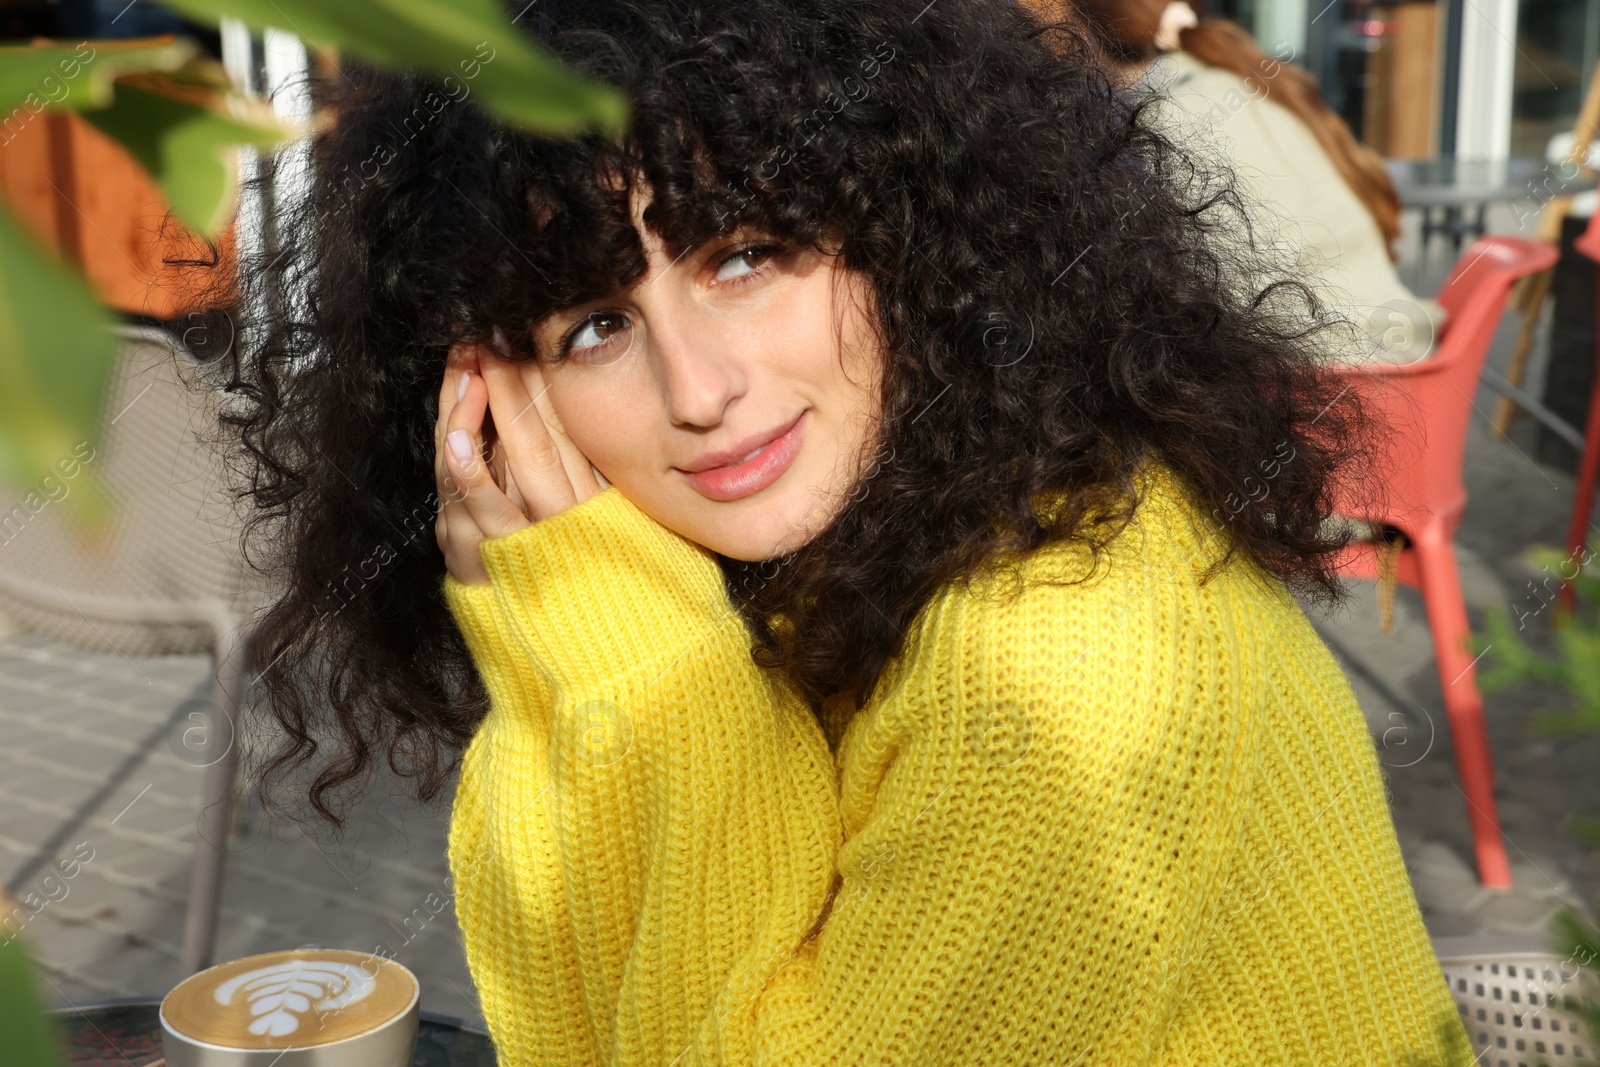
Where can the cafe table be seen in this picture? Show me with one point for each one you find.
(1455, 186)
(126, 1032)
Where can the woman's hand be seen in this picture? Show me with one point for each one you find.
(533, 469)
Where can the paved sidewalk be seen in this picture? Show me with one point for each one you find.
(91, 774)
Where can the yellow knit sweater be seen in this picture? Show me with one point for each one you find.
(1133, 821)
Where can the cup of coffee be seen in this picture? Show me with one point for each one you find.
(299, 1008)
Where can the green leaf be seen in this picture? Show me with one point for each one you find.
(471, 39)
(174, 111)
(33, 77)
(1586, 831)
(27, 1034)
(184, 138)
(1578, 648)
(1575, 668)
(1509, 660)
(57, 352)
(1579, 943)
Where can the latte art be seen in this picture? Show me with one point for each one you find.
(299, 999)
(281, 994)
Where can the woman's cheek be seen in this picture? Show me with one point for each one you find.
(597, 427)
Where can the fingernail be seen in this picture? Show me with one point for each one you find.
(460, 444)
(497, 338)
(461, 386)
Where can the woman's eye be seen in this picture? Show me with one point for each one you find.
(595, 330)
(744, 262)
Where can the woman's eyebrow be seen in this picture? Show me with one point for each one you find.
(584, 300)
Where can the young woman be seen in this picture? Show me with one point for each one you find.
(857, 654)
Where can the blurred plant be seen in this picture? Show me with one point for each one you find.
(524, 86)
(181, 118)
(1580, 942)
(1574, 669)
(174, 111)
(26, 1033)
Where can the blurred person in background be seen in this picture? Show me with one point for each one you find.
(1319, 195)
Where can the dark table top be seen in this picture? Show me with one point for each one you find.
(127, 1033)
(1468, 182)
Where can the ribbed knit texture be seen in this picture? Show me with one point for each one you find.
(1132, 821)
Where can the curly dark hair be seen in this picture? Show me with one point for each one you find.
(1054, 290)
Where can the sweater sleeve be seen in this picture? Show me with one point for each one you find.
(1035, 823)
(642, 809)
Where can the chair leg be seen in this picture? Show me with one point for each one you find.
(1447, 619)
(1583, 497)
(216, 804)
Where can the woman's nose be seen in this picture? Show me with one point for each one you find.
(699, 368)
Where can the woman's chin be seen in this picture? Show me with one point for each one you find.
(754, 548)
(765, 529)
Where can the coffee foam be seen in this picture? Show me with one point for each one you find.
(300, 998)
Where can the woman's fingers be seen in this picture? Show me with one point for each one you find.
(533, 454)
(531, 469)
(461, 358)
(454, 530)
(500, 470)
(488, 506)
(471, 506)
(581, 472)
(508, 481)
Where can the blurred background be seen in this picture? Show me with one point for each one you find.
(1418, 79)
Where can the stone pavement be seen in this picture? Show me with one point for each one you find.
(91, 774)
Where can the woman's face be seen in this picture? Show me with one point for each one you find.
(724, 348)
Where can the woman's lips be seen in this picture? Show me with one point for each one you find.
(754, 474)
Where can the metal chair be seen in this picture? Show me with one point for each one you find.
(168, 581)
(1427, 406)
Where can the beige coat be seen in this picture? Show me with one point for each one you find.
(1300, 203)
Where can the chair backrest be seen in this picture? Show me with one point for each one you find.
(169, 572)
(1427, 406)
(1520, 1002)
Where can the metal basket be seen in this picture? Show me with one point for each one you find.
(1519, 1000)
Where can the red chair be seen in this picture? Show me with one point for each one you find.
(1589, 467)
(1428, 406)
